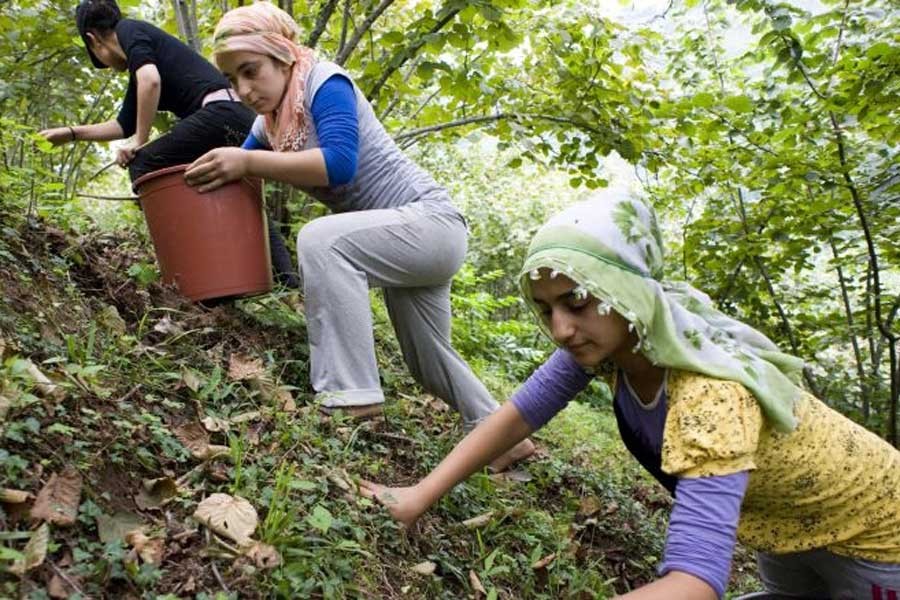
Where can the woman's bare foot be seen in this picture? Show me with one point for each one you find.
(520, 451)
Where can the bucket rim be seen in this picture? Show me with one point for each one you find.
(136, 185)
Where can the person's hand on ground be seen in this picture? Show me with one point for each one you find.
(216, 168)
(57, 135)
(406, 504)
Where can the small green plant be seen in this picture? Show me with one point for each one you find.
(143, 273)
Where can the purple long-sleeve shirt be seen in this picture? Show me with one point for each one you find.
(703, 524)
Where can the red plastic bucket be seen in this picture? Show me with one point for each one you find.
(209, 245)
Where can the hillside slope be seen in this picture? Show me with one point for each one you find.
(155, 404)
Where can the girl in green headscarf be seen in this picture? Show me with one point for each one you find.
(709, 406)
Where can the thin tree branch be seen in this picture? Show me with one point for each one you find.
(851, 330)
(345, 22)
(415, 133)
(406, 53)
(321, 23)
(360, 31)
(416, 113)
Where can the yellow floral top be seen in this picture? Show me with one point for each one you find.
(828, 484)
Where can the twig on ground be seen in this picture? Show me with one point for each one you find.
(129, 394)
(215, 569)
(68, 580)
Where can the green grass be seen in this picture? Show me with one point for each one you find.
(137, 363)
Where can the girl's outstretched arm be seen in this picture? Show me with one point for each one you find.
(494, 436)
(675, 585)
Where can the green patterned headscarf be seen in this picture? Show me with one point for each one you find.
(613, 250)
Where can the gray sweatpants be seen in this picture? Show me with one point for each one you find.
(412, 253)
(822, 574)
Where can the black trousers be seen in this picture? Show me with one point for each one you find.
(215, 125)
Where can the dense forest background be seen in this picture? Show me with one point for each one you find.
(765, 134)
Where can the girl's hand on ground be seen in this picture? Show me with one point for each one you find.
(405, 504)
(216, 168)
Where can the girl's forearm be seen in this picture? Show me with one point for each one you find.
(303, 169)
(494, 436)
(675, 585)
(99, 132)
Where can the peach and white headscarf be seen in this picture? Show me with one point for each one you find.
(264, 28)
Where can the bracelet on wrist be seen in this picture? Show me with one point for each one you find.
(72, 131)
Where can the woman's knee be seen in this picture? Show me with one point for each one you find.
(314, 241)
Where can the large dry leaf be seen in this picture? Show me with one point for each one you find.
(479, 521)
(156, 492)
(284, 399)
(118, 526)
(151, 550)
(42, 383)
(244, 417)
(242, 367)
(424, 568)
(190, 379)
(9, 496)
(58, 501)
(196, 440)
(215, 424)
(542, 563)
(476, 583)
(35, 551)
(231, 516)
(263, 555)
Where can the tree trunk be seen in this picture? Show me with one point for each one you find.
(186, 19)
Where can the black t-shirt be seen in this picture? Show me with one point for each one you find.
(185, 76)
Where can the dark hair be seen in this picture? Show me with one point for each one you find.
(97, 15)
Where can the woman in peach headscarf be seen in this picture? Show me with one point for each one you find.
(395, 228)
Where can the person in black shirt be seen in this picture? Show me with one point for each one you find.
(164, 74)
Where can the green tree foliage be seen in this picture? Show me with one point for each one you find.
(782, 164)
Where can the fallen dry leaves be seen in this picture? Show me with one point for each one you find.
(35, 551)
(8, 496)
(155, 493)
(151, 550)
(251, 370)
(479, 521)
(542, 563)
(230, 516)
(57, 502)
(424, 568)
(242, 367)
(42, 383)
(195, 438)
(235, 518)
(476, 583)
